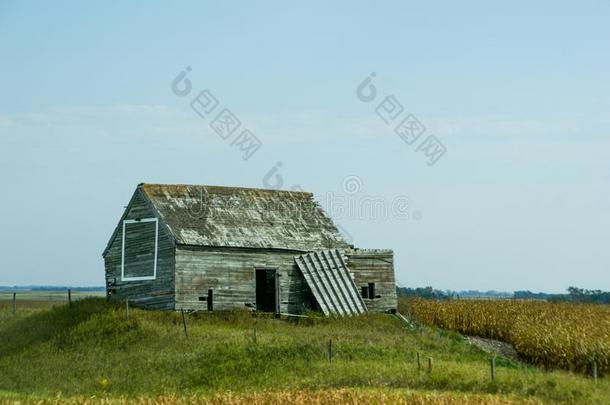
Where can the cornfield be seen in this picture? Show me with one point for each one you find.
(563, 335)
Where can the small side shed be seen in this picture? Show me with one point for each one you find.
(211, 248)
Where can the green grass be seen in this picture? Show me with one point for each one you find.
(91, 349)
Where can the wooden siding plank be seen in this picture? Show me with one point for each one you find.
(314, 284)
(336, 273)
(353, 291)
(158, 293)
(331, 283)
(230, 273)
(326, 284)
(375, 266)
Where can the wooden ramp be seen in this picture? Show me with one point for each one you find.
(331, 282)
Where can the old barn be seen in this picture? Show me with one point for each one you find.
(210, 248)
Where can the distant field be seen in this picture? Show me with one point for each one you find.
(59, 295)
(92, 350)
(568, 335)
(31, 300)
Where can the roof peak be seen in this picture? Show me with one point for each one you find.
(219, 189)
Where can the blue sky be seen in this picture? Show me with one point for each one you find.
(519, 94)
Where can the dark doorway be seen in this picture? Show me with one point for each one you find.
(267, 291)
(210, 300)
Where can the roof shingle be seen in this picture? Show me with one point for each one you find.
(243, 217)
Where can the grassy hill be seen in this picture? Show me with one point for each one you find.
(91, 349)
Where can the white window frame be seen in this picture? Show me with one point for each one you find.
(135, 221)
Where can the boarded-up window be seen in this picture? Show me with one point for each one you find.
(139, 258)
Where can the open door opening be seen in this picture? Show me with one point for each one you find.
(267, 296)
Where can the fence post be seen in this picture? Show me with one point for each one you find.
(254, 331)
(594, 371)
(184, 323)
(418, 361)
(14, 303)
(127, 308)
(69, 297)
(330, 350)
(492, 363)
(429, 364)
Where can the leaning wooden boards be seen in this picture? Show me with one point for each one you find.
(331, 282)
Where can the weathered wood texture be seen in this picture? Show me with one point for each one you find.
(331, 282)
(375, 266)
(158, 293)
(140, 248)
(243, 217)
(230, 273)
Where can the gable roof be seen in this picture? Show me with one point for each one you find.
(242, 217)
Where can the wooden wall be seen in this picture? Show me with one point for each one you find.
(375, 266)
(158, 293)
(230, 273)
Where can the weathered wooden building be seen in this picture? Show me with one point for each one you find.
(219, 248)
